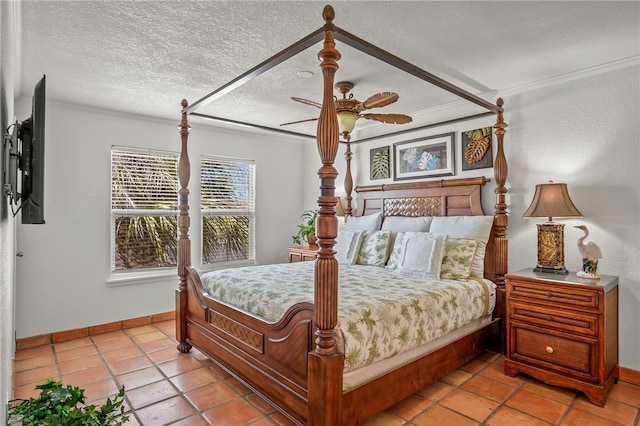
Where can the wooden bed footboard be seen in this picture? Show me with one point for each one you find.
(268, 358)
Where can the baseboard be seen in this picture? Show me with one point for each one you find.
(62, 336)
(630, 376)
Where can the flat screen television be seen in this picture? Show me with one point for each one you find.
(24, 160)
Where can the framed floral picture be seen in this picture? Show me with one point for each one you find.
(424, 157)
(379, 163)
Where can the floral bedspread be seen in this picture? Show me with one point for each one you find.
(380, 312)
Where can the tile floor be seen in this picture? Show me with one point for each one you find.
(166, 387)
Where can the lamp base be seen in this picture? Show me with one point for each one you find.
(561, 271)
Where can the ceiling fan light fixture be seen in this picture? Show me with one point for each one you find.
(347, 121)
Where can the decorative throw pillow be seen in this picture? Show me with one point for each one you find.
(458, 257)
(374, 248)
(470, 227)
(396, 252)
(422, 254)
(347, 246)
(369, 222)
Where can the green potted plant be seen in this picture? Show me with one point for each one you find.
(65, 405)
(307, 229)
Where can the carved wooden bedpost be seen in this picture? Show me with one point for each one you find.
(325, 363)
(500, 224)
(184, 243)
(348, 182)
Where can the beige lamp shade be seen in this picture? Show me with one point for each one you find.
(347, 122)
(552, 200)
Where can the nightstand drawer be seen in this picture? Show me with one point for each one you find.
(575, 357)
(554, 318)
(570, 297)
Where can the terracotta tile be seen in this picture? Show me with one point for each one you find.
(435, 390)
(626, 393)
(237, 386)
(491, 357)
(164, 355)
(151, 394)
(115, 344)
(79, 364)
(36, 376)
(219, 371)
(475, 365)
(140, 330)
(156, 345)
(506, 416)
(33, 342)
(63, 336)
(260, 404)
(488, 388)
(105, 328)
(132, 420)
(100, 391)
(496, 372)
(33, 362)
(469, 404)
(211, 395)
(26, 391)
(456, 377)
(537, 406)
(89, 375)
(72, 344)
(612, 410)
(139, 378)
(106, 337)
(33, 352)
(384, 419)
(194, 379)
(559, 394)
(75, 353)
(196, 420)
(281, 420)
(233, 413)
(409, 407)
(441, 416)
(120, 354)
(165, 318)
(136, 322)
(263, 422)
(165, 412)
(130, 364)
(196, 354)
(178, 366)
(582, 418)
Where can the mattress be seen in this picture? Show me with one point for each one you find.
(381, 312)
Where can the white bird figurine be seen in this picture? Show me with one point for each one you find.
(591, 253)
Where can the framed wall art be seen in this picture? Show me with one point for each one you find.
(476, 149)
(424, 157)
(379, 166)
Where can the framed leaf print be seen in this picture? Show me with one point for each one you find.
(425, 157)
(379, 163)
(476, 149)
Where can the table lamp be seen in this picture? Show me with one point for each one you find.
(551, 200)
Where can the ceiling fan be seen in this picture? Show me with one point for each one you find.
(349, 109)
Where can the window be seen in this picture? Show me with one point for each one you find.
(144, 209)
(228, 210)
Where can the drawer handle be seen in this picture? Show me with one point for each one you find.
(549, 318)
(549, 294)
(549, 349)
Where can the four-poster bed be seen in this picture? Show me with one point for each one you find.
(296, 362)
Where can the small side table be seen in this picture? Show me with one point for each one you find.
(302, 253)
(563, 330)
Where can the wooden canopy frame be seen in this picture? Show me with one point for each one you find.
(295, 363)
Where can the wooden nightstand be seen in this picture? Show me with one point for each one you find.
(563, 330)
(301, 254)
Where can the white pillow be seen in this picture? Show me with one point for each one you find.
(347, 246)
(374, 248)
(369, 222)
(396, 252)
(470, 227)
(404, 223)
(422, 254)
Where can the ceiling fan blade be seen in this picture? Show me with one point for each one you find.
(300, 121)
(389, 118)
(308, 102)
(379, 100)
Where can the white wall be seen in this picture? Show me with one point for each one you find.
(584, 132)
(61, 278)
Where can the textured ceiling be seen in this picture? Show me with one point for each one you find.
(145, 56)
